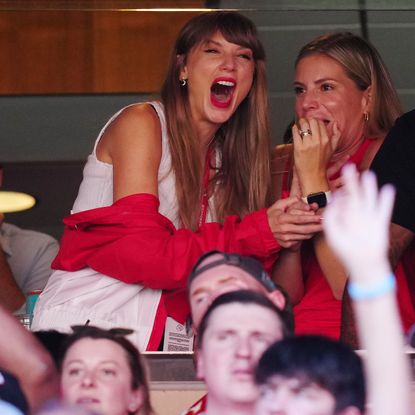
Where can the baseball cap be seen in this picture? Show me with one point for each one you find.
(247, 264)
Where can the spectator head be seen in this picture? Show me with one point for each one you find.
(102, 371)
(217, 272)
(235, 330)
(310, 375)
(363, 64)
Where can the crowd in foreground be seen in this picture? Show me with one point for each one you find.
(245, 348)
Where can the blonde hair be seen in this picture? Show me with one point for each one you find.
(242, 182)
(363, 65)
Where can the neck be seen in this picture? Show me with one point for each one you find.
(349, 149)
(222, 408)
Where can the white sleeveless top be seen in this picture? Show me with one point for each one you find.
(96, 189)
(72, 298)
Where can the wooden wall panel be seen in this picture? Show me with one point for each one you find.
(58, 52)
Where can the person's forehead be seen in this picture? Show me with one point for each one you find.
(224, 273)
(244, 317)
(95, 350)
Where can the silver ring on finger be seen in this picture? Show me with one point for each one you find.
(303, 133)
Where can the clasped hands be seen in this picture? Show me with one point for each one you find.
(293, 221)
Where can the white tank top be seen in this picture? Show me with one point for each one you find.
(96, 189)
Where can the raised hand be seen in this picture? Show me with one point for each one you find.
(356, 223)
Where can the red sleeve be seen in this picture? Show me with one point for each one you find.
(131, 241)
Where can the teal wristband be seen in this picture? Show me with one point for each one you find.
(382, 287)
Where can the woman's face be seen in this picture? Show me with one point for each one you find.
(219, 76)
(96, 374)
(324, 91)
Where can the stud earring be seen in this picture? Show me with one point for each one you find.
(366, 116)
(183, 82)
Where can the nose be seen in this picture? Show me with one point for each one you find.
(243, 348)
(274, 403)
(228, 62)
(307, 101)
(88, 380)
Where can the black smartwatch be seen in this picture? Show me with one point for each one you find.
(321, 198)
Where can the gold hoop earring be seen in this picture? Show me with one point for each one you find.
(183, 82)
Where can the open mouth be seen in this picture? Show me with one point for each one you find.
(87, 401)
(221, 92)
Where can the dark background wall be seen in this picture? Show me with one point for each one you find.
(45, 137)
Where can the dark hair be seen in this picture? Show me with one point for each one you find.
(365, 67)
(242, 141)
(330, 364)
(135, 363)
(242, 297)
(250, 265)
(52, 340)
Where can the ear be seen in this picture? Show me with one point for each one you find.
(182, 64)
(136, 400)
(277, 297)
(367, 99)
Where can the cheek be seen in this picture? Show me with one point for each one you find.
(68, 391)
(298, 107)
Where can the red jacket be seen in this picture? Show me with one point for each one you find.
(132, 242)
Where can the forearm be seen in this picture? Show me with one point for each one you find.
(332, 268)
(289, 274)
(23, 356)
(11, 297)
(380, 334)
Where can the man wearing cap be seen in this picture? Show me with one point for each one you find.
(216, 273)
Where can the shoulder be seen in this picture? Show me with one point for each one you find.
(136, 129)
(283, 149)
(142, 116)
(29, 242)
(282, 156)
(28, 235)
(403, 130)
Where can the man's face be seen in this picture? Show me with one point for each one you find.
(216, 281)
(235, 338)
(293, 396)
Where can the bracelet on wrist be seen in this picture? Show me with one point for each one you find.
(378, 289)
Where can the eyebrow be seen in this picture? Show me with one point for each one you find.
(319, 81)
(222, 281)
(83, 362)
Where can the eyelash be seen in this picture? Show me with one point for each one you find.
(326, 87)
(298, 90)
(245, 56)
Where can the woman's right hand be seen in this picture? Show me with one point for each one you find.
(312, 153)
(292, 221)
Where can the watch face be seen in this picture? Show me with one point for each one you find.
(319, 198)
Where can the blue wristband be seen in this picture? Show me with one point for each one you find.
(382, 287)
